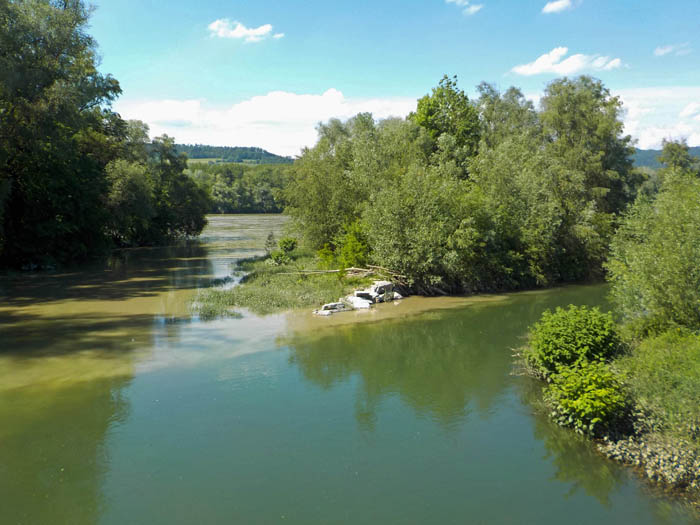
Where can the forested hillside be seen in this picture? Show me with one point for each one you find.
(232, 154)
(650, 157)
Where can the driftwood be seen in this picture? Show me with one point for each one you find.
(356, 272)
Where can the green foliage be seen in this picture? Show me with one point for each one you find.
(326, 257)
(232, 154)
(272, 288)
(278, 257)
(56, 135)
(571, 338)
(73, 175)
(352, 250)
(587, 397)
(583, 126)
(287, 244)
(663, 375)
(466, 197)
(653, 265)
(130, 202)
(447, 110)
(677, 155)
(237, 188)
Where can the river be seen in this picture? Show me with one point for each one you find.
(118, 406)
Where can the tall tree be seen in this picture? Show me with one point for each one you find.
(56, 133)
(447, 111)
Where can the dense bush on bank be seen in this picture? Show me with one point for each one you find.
(571, 337)
(238, 188)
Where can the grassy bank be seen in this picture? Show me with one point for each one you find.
(638, 398)
(268, 287)
(661, 376)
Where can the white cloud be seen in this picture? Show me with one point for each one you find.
(654, 114)
(557, 6)
(469, 8)
(691, 109)
(554, 62)
(676, 49)
(279, 121)
(278, 35)
(225, 28)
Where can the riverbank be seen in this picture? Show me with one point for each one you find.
(636, 398)
(662, 377)
(267, 287)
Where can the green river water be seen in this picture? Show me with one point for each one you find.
(119, 407)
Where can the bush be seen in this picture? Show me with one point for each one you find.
(326, 257)
(663, 375)
(287, 244)
(653, 265)
(352, 250)
(278, 257)
(587, 397)
(571, 337)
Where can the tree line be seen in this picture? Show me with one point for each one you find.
(232, 154)
(75, 178)
(239, 188)
(472, 195)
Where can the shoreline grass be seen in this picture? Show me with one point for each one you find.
(267, 288)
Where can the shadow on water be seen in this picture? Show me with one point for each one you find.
(125, 275)
(70, 345)
(455, 367)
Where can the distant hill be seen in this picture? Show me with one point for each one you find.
(232, 154)
(647, 157)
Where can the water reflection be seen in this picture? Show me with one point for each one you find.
(574, 457)
(52, 454)
(443, 364)
(72, 341)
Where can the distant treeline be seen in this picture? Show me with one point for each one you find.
(232, 154)
(237, 188)
(650, 157)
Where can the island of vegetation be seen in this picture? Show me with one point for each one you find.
(463, 196)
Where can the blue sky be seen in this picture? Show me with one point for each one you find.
(264, 73)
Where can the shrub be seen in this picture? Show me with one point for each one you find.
(278, 257)
(287, 244)
(270, 243)
(663, 375)
(587, 397)
(352, 250)
(326, 257)
(653, 266)
(571, 337)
